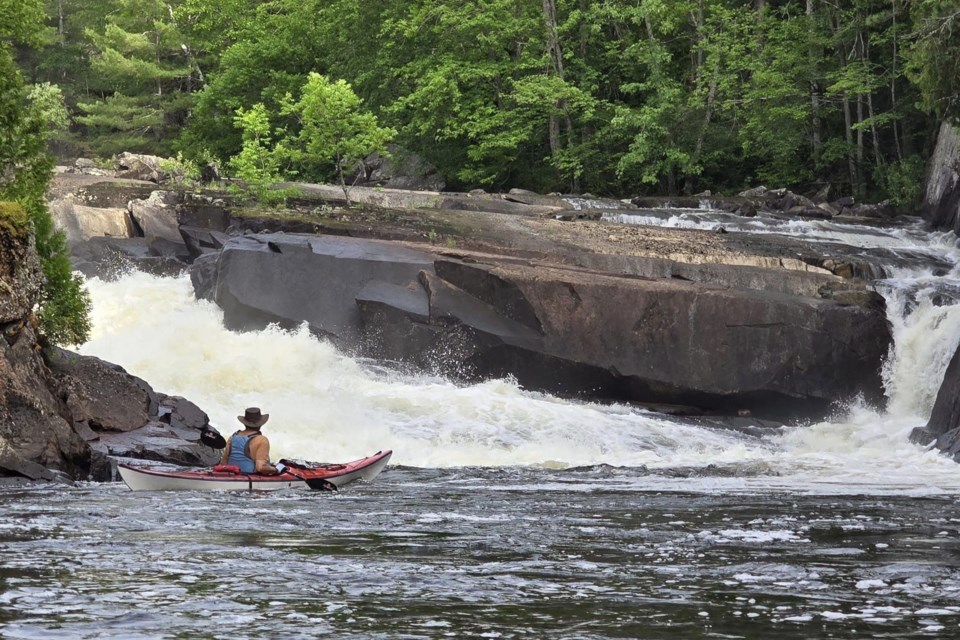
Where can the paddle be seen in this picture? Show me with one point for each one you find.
(212, 438)
(317, 484)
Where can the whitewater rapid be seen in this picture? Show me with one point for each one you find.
(325, 405)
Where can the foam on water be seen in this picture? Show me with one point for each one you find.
(910, 237)
(326, 406)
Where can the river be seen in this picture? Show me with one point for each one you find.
(505, 514)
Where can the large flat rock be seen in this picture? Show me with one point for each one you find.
(563, 329)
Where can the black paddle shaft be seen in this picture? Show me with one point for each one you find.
(317, 484)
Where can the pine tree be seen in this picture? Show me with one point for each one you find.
(145, 75)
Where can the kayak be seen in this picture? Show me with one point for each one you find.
(321, 476)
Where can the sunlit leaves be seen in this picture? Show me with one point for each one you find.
(334, 126)
(21, 21)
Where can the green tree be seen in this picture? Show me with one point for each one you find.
(334, 127)
(48, 100)
(270, 47)
(557, 94)
(258, 163)
(934, 56)
(145, 75)
(25, 171)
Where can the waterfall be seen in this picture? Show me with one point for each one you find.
(325, 405)
(926, 335)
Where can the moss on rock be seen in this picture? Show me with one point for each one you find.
(14, 219)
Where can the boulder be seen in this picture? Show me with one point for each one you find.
(557, 329)
(108, 258)
(878, 210)
(55, 404)
(158, 442)
(156, 216)
(137, 166)
(402, 169)
(317, 196)
(943, 428)
(756, 192)
(199, 241)
(80, 222)
(203, 276)
(941, 200)
(21, 277)
(121, 415)
(311, 277)
(99, 395)
(205, 213)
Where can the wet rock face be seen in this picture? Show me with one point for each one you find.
(34, 437)
(943, 428)
(941, 203)
(62, 414)
(563, 330)
(120, 415)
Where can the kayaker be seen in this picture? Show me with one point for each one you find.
(248, 448)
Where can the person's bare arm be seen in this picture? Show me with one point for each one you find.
(226, 454)
(260, 452)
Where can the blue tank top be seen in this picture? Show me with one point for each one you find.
(240, 452)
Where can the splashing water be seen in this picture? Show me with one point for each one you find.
(326, 406)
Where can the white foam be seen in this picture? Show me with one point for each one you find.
(325, 406)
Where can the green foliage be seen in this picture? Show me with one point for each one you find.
(571, 95)
(934, 56)
(48, 100)
(183, 172)
(64, 304)
(144, 75)
(271, 46)
(902, 182)
(258, 163)
(25, 171)
(21, 21)
(333, 127)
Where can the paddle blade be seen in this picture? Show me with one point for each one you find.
(212, 438)
(319, 484)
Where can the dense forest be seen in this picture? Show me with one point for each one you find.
(610, 97)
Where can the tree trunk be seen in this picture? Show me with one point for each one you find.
(893, 83)
(848, 123)
(343, 180)
(815, 124)
(554, 134)
(555, 54)
(698, 148)
(878, 156)
(941, 201)
(865, 59)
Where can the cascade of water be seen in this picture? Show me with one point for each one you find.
(326, 406)
(926, 336)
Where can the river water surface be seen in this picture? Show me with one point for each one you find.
(506, 514)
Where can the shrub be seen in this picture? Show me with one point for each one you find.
(25, 170)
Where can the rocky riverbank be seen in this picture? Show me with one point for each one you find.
(469, 286)
(67, 417)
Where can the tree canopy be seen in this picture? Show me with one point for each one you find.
(611, 97)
